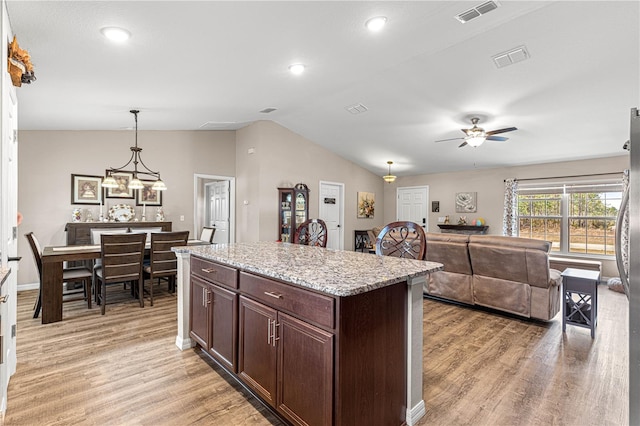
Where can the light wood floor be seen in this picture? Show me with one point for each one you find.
(480, 369)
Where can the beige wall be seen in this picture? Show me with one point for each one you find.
(489, 185)
(280, 156)
(48, 158)
(283, 156)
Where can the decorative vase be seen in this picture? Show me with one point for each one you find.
(76, 216)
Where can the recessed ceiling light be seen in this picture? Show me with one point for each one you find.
(116, 34)
(376, 24)
(296, 69)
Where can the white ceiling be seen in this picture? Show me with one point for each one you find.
(192, 63)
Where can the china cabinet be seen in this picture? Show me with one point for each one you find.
(293, 209)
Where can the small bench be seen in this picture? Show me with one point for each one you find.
(562, 263)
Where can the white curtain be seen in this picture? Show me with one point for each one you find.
(510, 219)
(624, 235)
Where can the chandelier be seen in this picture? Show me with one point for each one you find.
(110, 182)
(389, 177)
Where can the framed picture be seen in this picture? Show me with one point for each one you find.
(86, 189)
(122, 191)
(366, 205)
(466, 202)
(435, 206)
(148, 196)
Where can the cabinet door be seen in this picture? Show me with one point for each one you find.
(257, 350)
(224, 326)
(199, 312)
(305, 372)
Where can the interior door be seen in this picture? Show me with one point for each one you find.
(331, 212)
(219, 210)
(412, 205)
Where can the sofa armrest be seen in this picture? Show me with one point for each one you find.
(555, 278)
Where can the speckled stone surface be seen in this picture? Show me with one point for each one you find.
(4, 273)
(335, 272)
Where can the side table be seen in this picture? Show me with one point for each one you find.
(362, 242)
(580, 301)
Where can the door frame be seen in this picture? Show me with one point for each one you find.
(340, 213)
(198, 215)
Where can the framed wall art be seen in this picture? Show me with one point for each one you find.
(123, 190)
(366, 205)
(466, 202)
(86, 189)
(148, 196)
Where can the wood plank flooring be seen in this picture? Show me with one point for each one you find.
(481, 368)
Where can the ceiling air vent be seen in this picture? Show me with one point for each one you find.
(510, 57)
(356, 109)
(268, 110)
(474, 12)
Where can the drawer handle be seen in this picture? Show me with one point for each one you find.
(274, 295)
(209, 270)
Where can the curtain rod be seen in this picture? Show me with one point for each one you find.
(566, 177)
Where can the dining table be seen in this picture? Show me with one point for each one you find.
(53, 258)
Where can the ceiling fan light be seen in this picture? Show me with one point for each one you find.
(475, 140)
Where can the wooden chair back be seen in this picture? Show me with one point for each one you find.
(163, 260)
(402, 239)
(312, 232)
(122, 256)
(207, 234)
(37, 252)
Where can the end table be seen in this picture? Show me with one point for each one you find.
(580, 301)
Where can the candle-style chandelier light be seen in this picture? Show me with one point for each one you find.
(110, 182)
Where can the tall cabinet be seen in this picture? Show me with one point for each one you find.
(293, 210)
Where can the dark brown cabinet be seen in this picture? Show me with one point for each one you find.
(292, 210)
(307, 354)
(214, 311)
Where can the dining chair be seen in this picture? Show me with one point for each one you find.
(69, 275)
(402, 239)
(207, 234)
(312, 232)
(122, 256)
(164, 264)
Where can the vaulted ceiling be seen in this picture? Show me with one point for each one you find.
(209, 65)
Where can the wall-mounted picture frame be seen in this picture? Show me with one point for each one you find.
(366, 205)
(86, 189)
(466, 202)
(123, 190)
(148, 196)
(435, 206)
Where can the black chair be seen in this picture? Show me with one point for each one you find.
(122, 256)
(69, 276)
(312, 232)
(402, 239)
(207, 234)
(163, 262)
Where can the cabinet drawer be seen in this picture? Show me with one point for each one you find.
(305, 304)
(214, 272)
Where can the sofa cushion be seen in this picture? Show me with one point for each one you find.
(451, 250)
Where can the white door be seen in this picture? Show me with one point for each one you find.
(219, 210)
(331, 211)
(412, 205)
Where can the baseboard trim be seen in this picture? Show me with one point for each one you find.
(416, 413)
(184, 344)
(28, 286)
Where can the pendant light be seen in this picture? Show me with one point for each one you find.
(389, 177)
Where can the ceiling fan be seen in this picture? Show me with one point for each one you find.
(476, 135)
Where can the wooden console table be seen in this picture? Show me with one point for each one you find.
(79, 233)
(463, 229)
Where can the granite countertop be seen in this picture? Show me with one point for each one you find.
(335, 272)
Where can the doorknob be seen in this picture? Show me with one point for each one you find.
(14, 259)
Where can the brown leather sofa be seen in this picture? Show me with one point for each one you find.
(505, 273)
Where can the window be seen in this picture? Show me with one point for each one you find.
(576, 218)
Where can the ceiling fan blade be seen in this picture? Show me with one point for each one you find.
(462, 144)
(506, 129)
(447, 140)
(497, 138)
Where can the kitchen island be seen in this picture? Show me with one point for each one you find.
(323, 336)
